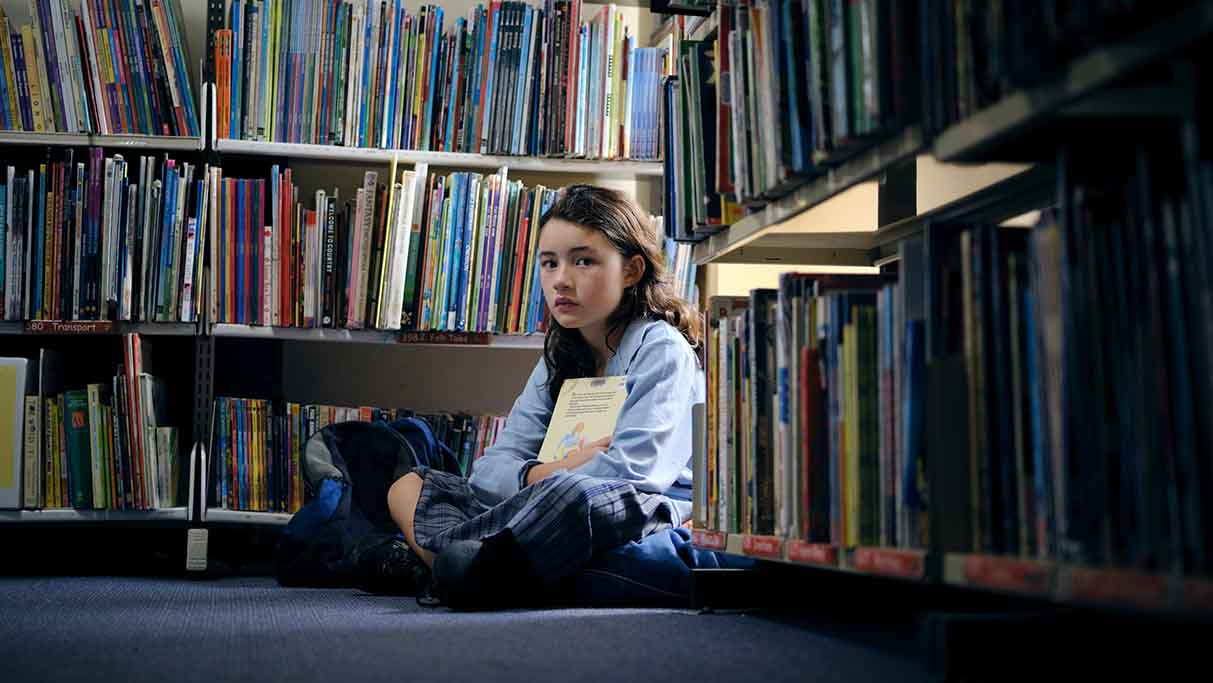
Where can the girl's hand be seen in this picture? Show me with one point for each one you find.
(573, 460)
(583, 455)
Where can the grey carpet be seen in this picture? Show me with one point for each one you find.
(250, 629)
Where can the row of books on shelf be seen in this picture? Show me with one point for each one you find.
(258, 446)
(88, 445)
(97, 240)
(91, 238)
(976, 53)
(1038, 393)
(509, 78)
(106, 66)
(823, 77)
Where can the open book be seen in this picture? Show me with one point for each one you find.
(585, 412)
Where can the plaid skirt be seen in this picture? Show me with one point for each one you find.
(560, 522)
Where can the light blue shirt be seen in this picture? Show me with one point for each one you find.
(652, 445)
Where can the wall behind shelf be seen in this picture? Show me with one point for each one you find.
(476, 380)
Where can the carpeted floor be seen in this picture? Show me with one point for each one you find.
(140, 629)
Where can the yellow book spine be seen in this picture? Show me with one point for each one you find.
(31, 75)
(271, 79)
(10, 74)
(617, 87)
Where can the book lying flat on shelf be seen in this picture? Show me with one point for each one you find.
(585, 412)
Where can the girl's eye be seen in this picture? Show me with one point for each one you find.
(583, 261)
(549, 264)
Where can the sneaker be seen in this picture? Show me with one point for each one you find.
(484, 575)
(385, 565)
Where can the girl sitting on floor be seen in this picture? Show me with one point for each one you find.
(517, 526)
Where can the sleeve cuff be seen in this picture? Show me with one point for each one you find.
(522, 474)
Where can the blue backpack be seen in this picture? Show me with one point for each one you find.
(348, 468)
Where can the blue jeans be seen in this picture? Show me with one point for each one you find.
(652, 572)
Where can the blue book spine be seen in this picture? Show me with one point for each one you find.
(495, 30)
(237, 26)
(6, 117)
(434, 45)
(183, 83)
(799, 151)
(470, 142)
(169, 194)
(387, 136)
(521, 82)
(466, 251)
(362, 103)
(27, 117)
(442, 300)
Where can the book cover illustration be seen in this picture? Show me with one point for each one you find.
(585, 412)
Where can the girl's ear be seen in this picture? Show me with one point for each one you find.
(633, 270)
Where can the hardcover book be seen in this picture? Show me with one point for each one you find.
(586, 411)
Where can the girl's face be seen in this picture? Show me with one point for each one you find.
(583, 276)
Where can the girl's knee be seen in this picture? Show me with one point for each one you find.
(404, 493)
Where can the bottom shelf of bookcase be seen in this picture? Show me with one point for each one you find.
(1051, 581)
(890, 562)
(224, 516)
(1072, 584)
(69, 515)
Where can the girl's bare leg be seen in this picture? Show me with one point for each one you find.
(402, 500)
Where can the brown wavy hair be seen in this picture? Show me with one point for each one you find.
(631, 231)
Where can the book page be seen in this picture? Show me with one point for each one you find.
(586, 411)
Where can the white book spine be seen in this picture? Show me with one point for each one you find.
(147, 171)
(400, 250)
(67, 94)
(128, 249)
(11, 254)
(366, 227)
(106, 228)
(213, 242)
(187, 287)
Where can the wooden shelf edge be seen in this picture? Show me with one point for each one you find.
(611, 167)
(225, 516)
(861, 167)
(1079, 585)
(133, 141)
(71, 515)
(96, 327)
(372, 336)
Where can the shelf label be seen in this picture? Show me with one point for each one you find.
(453, 338)
(69, 326)
(1021, 576)
(906, 564)
(1196, 595)
(708, 540)
(813, 553)
(1118, 586)
(762, 546)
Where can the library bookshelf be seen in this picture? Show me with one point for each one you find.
(997, 165)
